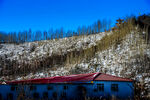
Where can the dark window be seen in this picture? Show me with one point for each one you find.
(1, 97)
(45, 95)
(95, 90)
(54, 94)
(17, 88)
(49, 87)
(9, 96)
(65, 87)
(100, 87)
(63, 95)
(32, 87)
(36, 95)
(12, 88)
(114, 87)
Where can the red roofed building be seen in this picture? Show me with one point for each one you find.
(73, 78)
(92, 85)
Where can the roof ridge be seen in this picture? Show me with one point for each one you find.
(98, 73)
(116, 76)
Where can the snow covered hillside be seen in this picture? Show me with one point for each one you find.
(130, 58)
(28, 51)
(17, 55)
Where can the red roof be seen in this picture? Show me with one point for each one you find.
(73, 78)
(107, 77)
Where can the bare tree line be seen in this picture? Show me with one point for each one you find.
(28, 36)
(15, 68)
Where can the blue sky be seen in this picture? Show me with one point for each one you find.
(20, 15)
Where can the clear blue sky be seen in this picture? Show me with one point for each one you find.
(20, 15)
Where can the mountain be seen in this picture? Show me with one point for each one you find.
(123, 52)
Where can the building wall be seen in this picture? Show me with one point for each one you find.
(61, 91)
(125, 89)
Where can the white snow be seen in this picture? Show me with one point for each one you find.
(117, 60)
(48, 47)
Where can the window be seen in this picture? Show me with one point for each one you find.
(95, 90)
(49, 87)
(17, 88)
(65, 87)
(12, 88)
(32, 87)
(63, 95)
(36, 95)
(114, 87)
(9, 96)
(100, 87)
(45, 95)
(1, 97)
(54, 94)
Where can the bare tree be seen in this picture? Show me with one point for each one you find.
(98, 25)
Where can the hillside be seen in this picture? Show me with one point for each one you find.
(121, 54)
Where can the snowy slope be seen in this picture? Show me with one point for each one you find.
(28, 51)
(130, 58)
